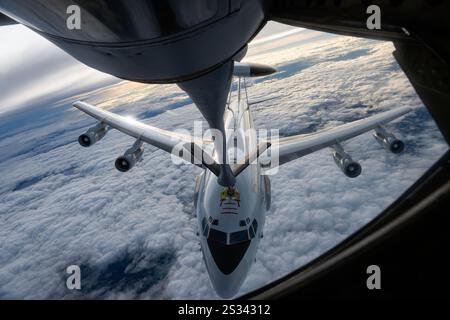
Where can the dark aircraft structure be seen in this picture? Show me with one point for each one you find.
(195, 44)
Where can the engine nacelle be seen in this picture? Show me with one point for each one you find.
(350, 168)
(93, 135)
(130, 158)
(249, 69)
(388, 141)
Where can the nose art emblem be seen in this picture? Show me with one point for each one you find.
(230, 200)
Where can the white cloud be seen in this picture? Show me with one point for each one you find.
(134, 234)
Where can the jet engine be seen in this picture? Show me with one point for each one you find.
(388, 140)
(130, 158)
(350, 168)
(93, 135)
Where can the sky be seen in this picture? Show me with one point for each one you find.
(35, 70)
(134, 234)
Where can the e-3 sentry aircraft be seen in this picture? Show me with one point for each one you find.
(231, 198)
(198, 45)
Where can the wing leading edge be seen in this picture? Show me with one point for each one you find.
(165, 140)
(287, 148)
(294, 147)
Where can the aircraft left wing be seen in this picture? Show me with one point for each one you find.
(162, 139)
(294, 147)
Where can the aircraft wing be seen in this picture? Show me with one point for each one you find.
(162, 139)
(294, 147)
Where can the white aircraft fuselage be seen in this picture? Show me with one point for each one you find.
(231, 226)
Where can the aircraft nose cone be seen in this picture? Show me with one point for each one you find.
(228, 268)
(227, 289)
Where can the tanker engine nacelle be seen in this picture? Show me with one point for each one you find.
(130, 158)
(388, 140)
(93, 135)
(350, 168)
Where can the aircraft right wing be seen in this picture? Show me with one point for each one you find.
(294, 147)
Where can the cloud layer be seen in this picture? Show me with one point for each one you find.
(134, 234)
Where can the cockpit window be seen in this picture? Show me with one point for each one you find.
(255, 225)
(238, 236)
(251, 232)
(218, 236)
(234, 237)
